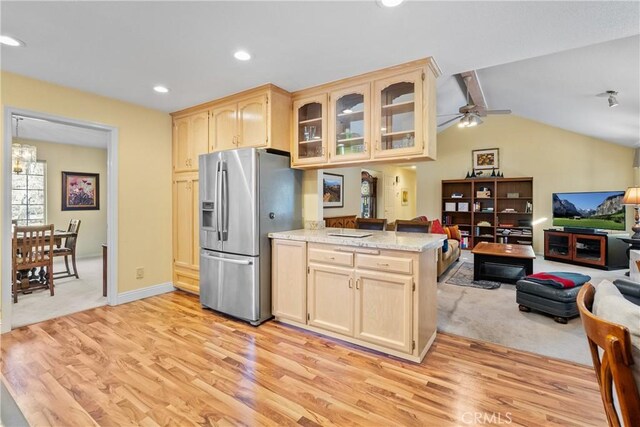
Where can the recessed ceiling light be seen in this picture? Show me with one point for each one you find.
(161, 89)
(242, 55)
(390, 3)
(11, 41)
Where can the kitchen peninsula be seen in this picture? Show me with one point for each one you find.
(377, 290)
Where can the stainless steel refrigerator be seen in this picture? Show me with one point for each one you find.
(244, 195)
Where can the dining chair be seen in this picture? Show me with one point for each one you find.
(69, 250)
(413, 226)
(613, 368)
(32, 259)
(371, 223)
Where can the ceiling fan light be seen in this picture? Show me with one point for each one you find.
(474, 120)
(612, 101)
(464, 122)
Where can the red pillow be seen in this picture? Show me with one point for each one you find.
(420, 218)
(436, 227)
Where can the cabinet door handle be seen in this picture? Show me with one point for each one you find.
(332, 257)
(383, 264)
(350, 283)
(237, 140)
(357, 283)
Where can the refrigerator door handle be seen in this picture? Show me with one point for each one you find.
(225, 203)
(218, 200)
(229, 260)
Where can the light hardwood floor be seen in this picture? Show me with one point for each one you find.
(166, 361)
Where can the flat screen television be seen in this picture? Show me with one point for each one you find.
(596, 209)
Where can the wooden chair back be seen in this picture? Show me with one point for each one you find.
(413, 226)
(371, 223)
(614, 368)
(74, 227)
(32, 247)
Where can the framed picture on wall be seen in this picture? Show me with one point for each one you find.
(485, 159)
(80, 191)
(332, 190)
(404, 196)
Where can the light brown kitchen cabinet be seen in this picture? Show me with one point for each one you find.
(190, 139)
(331, 298)
(380, 299)
(186, 254)
(349, 124)
(289, 279)
(259, 117)
(309, 144)
(223, 131)
(398, 115)
(383, 309)
(376, 117)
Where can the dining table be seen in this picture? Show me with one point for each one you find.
(58, 235)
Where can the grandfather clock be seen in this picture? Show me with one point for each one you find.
(368, 191)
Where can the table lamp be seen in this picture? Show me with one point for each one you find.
(632, 198)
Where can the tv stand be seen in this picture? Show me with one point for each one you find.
(594, 249)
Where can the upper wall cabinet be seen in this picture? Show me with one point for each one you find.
(398, 115)
(350, 120)
(310, 130)
(379, 116)
(190, 139)
(259, 117)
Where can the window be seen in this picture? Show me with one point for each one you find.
(29, 195)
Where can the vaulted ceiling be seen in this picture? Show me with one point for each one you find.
(123, 49)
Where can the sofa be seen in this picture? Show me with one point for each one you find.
(445, 258)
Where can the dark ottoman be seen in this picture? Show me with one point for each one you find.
(560, 303)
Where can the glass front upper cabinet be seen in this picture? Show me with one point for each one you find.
(349, 127)
(398, 115)
(310, 130)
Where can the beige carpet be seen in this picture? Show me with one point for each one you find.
(492, 315)
(71, 295)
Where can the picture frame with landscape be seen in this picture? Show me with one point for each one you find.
(332, 190)
(80, 191)
(485, 159)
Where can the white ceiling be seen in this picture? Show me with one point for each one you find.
(49, 131)
(122, 49)
(560, 89)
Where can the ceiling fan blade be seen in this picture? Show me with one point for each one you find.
(446, 115)
(498, 112)
(451, 120)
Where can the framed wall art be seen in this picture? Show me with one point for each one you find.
(80, 191)
(485, 159)
(332, 190)
(404, 196)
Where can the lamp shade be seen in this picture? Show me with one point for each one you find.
(631, 196)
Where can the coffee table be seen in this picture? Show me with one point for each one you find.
(502, 262)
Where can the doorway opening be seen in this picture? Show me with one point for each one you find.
(72, 184)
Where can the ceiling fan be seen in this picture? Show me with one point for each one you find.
(470, 114)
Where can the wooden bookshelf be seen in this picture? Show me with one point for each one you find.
(503, 217)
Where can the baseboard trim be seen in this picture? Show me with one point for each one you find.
(147, 292)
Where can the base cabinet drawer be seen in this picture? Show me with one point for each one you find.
(328, 256)
(385, 263)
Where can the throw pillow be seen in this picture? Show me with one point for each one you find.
(436, 227)
(447, 231)
(610, 305)
(455, 233)
(421, 219)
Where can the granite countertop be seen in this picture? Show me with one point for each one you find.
(410, 242)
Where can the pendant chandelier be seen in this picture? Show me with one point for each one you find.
(22, 155)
